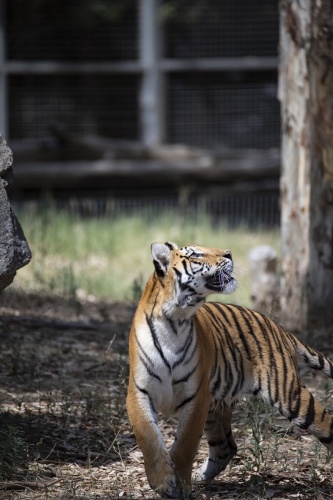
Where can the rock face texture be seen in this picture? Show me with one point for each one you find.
(14, 249)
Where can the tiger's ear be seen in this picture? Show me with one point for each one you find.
(171, 245)
(161, 258)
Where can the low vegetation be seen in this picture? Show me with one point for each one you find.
(109, 257)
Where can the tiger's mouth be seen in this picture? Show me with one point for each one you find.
(221, 281)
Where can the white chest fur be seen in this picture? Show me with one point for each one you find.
(168, 358)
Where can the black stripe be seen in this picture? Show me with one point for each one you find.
(217, 442)
(294, 402)
(185, 267)
(310, 413)
(272, 369)
(191, 356)
(319, 357)
(320, 360)
(156, 342)
(328, 369)
(239, 330)
(282, 350)
(155, 279)
(233, 351)
(275, 377)
(198, 270)
(278, 334)
(305, 357)
(228, 375)
(189, 398)
(204, 318)
(219, 307)
(258, 387)
(151, 373)
(182, 286)
(237, 363)
(327, 440)
(186, 377)
(171, 322)
(189, 341)
(142, 349)
(246, 315)
(146, 393)
(217, 382)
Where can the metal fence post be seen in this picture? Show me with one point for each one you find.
(3, 76)
(151, 98)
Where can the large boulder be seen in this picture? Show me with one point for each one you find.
(14, 249)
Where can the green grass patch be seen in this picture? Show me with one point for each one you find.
(109, 257)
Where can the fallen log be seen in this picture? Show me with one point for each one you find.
(207, 169)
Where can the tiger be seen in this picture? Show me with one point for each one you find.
(194, 359)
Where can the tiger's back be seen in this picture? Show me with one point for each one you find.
(251, 352)
(254, 354)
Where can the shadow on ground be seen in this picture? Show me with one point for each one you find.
(64, 431)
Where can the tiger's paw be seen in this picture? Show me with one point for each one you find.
(169, 493)
(161, 478)
(183, 493)
(209, 470)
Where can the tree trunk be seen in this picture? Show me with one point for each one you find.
(306, 95)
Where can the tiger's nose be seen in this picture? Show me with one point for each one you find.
(227, 255)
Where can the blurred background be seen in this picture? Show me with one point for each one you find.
(132, 121)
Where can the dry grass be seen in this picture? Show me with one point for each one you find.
(65, 433)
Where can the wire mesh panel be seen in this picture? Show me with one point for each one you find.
(252, 210)
(72, 30)
(104, 105)
(225, 111)
(53, 85)
(216, 28)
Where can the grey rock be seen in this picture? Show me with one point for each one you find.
(14, 249)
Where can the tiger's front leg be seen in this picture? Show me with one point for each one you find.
(158, 465)
(191, 420)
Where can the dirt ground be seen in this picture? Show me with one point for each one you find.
(64, 432)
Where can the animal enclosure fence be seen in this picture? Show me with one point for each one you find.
(198, 72)
(202, 73)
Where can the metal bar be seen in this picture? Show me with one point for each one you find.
(135, 67)
(220, 64)
(51, 68)
(151, 97)
(3, 75)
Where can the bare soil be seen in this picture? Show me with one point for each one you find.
(64, 432)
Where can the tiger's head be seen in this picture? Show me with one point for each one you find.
(191, 273)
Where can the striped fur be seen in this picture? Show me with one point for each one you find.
(194, 359)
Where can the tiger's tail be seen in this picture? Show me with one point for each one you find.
(311, 356)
